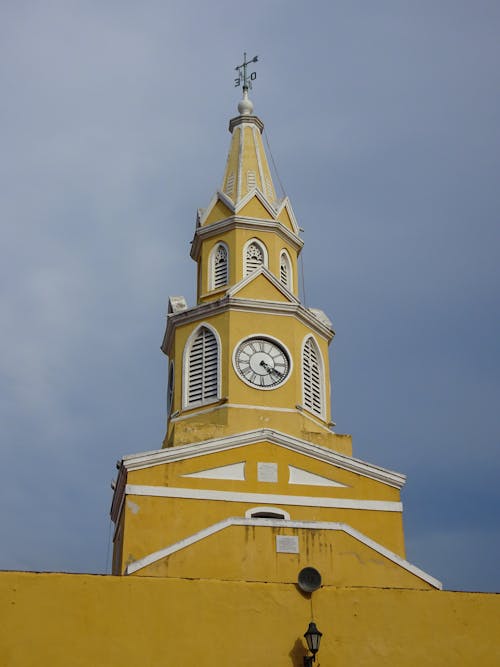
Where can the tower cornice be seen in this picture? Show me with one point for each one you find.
(209, 309)
(246, 120)
(240, 222)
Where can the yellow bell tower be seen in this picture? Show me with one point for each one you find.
(252, 483)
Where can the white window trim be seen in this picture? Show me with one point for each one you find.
(261, 246)
(321, 378)
(211, 266)
(290, 270)
(186, 405)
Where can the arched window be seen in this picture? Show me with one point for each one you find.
(255, 255)
(286, 270)
(201, 364)
(219, 266)
(312, 378)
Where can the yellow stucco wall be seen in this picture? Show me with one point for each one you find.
(58, 620)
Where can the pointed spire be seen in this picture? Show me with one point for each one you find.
(247, 166)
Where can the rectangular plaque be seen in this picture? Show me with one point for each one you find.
(287, 544)
(267, 472)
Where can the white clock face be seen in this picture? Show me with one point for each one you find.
(261, 362)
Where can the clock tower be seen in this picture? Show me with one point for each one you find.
(252, 483)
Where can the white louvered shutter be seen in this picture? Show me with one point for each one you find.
(203, 367)
(311, 377)
(220, 267)
(285, 271)
(254, 258)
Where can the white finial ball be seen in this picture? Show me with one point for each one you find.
(245, 107)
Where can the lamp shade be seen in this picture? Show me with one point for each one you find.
(313, 637)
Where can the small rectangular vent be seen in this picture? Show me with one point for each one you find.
(230, 184)
(251, 180)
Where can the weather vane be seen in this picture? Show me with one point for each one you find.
(243, 77)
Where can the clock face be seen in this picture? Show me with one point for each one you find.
(261, 362)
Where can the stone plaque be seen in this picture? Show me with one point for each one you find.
(287, 544)
(267, 472)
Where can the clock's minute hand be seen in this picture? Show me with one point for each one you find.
(269, 368)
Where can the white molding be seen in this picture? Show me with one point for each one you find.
(211, 268)
(273, 339)
(306, 478)
(258, 157)
(209, 309)
(280, 523)
(240, 222)
(185, 367)
(263, 247)
(286, 203)
(288, 261)
(215, 445)
(262, 498)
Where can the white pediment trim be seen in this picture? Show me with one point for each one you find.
(286, 203)
(255, 192)
(262, 270)
(281, 523)
(317, 452)
(218, 196)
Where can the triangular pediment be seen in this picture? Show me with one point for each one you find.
(259, 436)
(262, 285)
(287, 217)
(256, 205)
(220, 208)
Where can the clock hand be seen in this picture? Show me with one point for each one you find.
(270, 369)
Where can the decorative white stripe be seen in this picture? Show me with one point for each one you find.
(262, 498)
(233, 471)
(280, 523)
(299, 476)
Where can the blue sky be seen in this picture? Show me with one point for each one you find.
(383, 121)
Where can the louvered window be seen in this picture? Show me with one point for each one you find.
(251, 180)
(202, 372)
(220, 266)
(230, 184)
(312, 378)
(285, 271)
(254, 257)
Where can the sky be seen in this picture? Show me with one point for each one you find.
(383, 123)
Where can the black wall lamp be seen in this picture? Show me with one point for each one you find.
(313, 639)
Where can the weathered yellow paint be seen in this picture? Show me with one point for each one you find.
(181, 518)
(339, 556)
(82, 620)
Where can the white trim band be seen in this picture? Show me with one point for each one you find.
(263, 498)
